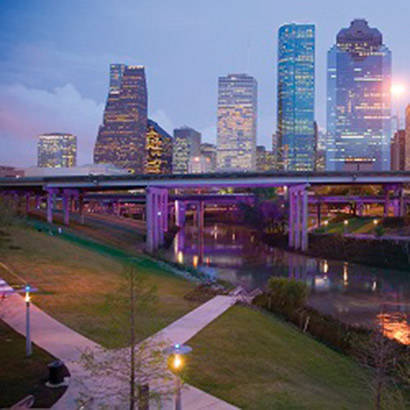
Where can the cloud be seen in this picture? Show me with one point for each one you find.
(27, 112)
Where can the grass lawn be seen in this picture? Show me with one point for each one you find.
(255, 361)
(356, 225)
(81, 285)
(21, 375)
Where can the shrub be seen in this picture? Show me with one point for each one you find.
(287, 294)
(379, 231)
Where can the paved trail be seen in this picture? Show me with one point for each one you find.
(67, 345)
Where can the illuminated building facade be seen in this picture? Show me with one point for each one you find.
(121, 137)
(237, 116)
(57, 150)
(398, 151)
(407, 139)
(200, 165)
(209, 151)
(265, 160)
(187, 142)
(158, 147)
(296, 97)
(358, 100)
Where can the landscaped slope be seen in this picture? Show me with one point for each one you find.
(86, 289)
(256, 361)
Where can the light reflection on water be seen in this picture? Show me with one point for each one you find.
(353, 293)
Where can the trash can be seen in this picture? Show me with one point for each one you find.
(56, 372)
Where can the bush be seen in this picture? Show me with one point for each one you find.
(379, 231)
(287, 294)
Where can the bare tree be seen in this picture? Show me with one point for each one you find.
(388, 365)
(120, 377)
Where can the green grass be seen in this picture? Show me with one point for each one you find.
(356, 225)
(255, 361)
(81, 284)
(21, 375)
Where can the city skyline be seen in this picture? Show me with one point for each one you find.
(79, 84)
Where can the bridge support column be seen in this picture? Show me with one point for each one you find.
(360, 208)
(81, 207)
(51, 193)
(156, 214)
(298, 217)
(38, 201)
(179, 213)
(68, 200)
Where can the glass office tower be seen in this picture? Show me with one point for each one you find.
(121, 137)
(237, 116)
(358, 100)
(296, 97)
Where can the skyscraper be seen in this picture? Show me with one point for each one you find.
(57, 150)
(121, 137)
(237, 116)
(358, 103)
(296, 96)
(158, 147)
(407, 139)
(398, 151)
(209, 151)
(187, 144)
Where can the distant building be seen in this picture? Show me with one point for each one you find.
(358, 100)
(407, 139)
(265, 159)
(296, 96)
(158, 148)
(84, 170)
(187, 142)
(237, 116)
(275, 153)
(200, 165)
(209, 151)
(10, 172)
(57, 150)
(121, 137)
(398, 151)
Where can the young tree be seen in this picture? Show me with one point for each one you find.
(388, 364)
(120, 377)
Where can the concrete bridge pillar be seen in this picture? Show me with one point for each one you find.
(180, 209)
(38, 201)
(68, 198)
(298, 217)
(51, 194)
(360, 208)
(157, 213)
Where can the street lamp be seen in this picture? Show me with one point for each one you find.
(27, 298)
(346, 222)
(177, 353)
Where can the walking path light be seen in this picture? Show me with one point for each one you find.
(346, 222)
(177, 353)
(27, 290)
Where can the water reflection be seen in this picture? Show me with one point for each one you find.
(353, 293)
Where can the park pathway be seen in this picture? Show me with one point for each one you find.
(67, 345)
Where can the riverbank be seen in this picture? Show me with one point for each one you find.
(256, 361)
(377, 252)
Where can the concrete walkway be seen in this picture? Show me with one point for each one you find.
(67, 345)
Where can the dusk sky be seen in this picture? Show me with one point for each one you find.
(55, 58)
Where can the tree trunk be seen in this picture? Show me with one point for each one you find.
(132, 341)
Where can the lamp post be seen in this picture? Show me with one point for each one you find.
(177, 353)
(345, 223)
(28, 336)
(375, 223)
